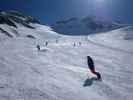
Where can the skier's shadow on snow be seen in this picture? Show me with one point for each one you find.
(89, 81)
(44, 50)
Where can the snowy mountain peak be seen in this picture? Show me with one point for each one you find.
(12, 17)
(16, 24)
(84, 26)
(67, 21)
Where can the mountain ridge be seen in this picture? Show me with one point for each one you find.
(84, 26)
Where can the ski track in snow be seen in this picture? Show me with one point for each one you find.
(109, 47)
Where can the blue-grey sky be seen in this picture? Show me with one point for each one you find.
(49, 11)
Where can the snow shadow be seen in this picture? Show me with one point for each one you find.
(43, 50)
(89, 81)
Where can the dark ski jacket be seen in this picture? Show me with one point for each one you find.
(90, 63)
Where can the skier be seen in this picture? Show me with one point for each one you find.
(79, 43)
(46, 43)
(38, 47)
(92, 67)
(74, 44)
(56, 41)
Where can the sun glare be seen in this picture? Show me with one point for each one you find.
(100, 1)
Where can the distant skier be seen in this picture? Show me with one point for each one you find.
(57, 41)
(46, 43)
(79, 43)
(74, 44)
(38, 47)
(92, 67)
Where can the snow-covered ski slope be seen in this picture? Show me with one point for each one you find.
(59, 71)
(40, 32)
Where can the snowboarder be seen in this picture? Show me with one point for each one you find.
(92, 67)
(38, 47)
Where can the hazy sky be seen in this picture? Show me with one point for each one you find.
(49, 11)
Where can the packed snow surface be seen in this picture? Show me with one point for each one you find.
(59, 71)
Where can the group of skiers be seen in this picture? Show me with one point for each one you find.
(77, 44)
(90, 61)
(46, 44)
(39, 47)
